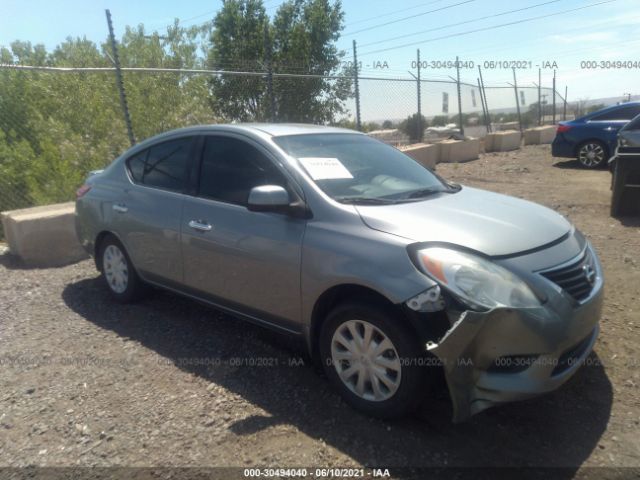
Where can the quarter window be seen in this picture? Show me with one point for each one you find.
(231, 168)
(163, 165)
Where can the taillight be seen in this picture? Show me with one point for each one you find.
(563, 128)
(81, 192)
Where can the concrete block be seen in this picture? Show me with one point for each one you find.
(456, 151)
(539, 135)
(502, 141)
(488, 141)
(43, 236)
(423, 153)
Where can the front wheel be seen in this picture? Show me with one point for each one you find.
(373, 360)
(592, 154)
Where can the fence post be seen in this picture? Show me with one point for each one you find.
(515, 89)
(564, 109)
(554, 97)
(119, 82)
(269, 65)
(355, 77)
(484, 111)
(420, 126)
(539, 96)
(459, 96)
(486, 104)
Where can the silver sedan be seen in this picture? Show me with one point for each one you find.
(387, 271)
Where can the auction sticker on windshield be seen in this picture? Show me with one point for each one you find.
(325, 168)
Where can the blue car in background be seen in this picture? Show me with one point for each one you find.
(592, 139)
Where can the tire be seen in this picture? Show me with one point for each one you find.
(117, 271)
(592, 154)
(406, 375)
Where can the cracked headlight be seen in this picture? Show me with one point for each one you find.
(475, 280)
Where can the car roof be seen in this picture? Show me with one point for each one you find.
(278, 129)
(263, 130)
(270, 129)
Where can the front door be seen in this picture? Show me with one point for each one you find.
(249, 261)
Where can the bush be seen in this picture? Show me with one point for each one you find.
(414, 127)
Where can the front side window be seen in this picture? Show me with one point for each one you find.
(163, 165)
(354, 168)
(232, 167)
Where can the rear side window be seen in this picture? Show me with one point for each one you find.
(622, 113)
(163, 165)
(231, 168)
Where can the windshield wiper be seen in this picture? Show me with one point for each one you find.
(423, 192)
(365, 201)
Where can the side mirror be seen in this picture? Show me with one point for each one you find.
(269, 198)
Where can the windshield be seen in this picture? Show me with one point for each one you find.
(354, 168)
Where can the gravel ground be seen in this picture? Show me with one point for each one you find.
(168, 382)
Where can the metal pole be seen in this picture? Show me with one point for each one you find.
(515, 89)
(554, 97)
(420, 126)
(272, 100)
(459, 97)
(484, 111)
(119, 82)
(539, 96)
(564, 110)
(486, 104)
(355, 77)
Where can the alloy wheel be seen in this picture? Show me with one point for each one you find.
(591, 155)
(366, 360)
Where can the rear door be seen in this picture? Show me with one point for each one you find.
(147, 215)
(609, 123)
(247, 261)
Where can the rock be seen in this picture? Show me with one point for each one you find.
(83, 429)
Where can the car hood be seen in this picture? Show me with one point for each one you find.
(487, 222)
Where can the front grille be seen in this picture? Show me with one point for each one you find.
(577, 278)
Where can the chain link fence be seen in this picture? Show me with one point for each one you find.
(58, 124)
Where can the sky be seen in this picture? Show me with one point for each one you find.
(388, 34)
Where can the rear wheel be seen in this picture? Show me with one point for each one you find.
(373, 360)
(118, 272)
(592, 154)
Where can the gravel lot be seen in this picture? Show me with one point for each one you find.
(168, 382)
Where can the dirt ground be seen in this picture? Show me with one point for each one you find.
(168, 382)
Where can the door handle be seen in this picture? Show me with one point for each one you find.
(120, 208)
(200, 225)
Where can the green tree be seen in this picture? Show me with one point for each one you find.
(300, 40)
(304, 35)
(238, 44)
(162, 101)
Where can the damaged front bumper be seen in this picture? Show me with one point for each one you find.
(511, 354)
